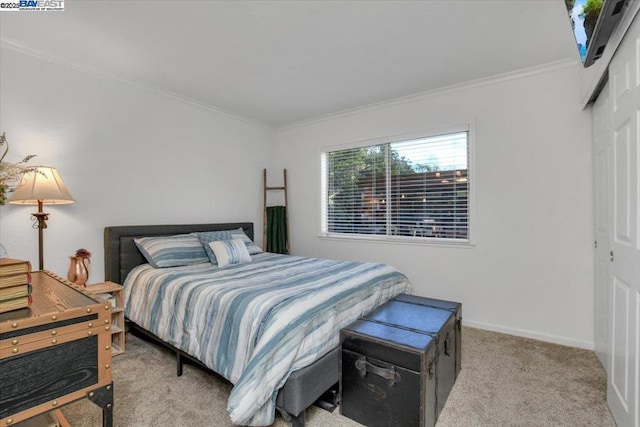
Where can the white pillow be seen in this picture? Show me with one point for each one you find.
(228, 252)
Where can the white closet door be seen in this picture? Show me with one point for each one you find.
(624, 262)
(601, 114)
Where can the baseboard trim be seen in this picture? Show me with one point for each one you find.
(587, 345)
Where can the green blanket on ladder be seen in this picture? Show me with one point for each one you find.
(276, 230)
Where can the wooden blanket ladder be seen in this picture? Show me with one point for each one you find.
(266, 189)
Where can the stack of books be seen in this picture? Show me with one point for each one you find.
(15, 284)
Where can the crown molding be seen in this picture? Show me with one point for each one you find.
(485, 81)
(18, 47)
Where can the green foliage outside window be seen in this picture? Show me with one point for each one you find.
(377, 190)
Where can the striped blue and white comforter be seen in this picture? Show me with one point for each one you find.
(257, 322)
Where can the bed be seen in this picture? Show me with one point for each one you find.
(297, 383)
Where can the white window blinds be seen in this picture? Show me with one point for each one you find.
(414, 188)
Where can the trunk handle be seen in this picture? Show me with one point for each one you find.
(363, 366)
(447, 345)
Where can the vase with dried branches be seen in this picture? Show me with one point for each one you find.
(10, 172)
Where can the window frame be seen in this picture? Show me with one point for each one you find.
(405, 240)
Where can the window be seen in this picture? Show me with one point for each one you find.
(417, 188)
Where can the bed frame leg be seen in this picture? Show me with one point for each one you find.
(298, 421)
(178, 364)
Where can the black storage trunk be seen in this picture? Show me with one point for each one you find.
(454, 307)
(387, 375)
(399, 363)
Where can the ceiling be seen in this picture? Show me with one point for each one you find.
(280, 62)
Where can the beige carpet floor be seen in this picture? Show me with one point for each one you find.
(504, 381)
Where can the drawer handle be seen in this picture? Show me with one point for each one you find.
(363, 366)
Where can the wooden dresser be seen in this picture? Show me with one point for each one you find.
(55, 352)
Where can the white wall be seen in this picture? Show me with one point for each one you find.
(132, 155)
(128, 154)
(530, 272)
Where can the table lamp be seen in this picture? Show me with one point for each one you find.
(43, 186)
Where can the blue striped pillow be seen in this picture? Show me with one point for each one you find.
(251, 247)
(172, 251)
(213, 236)
(229, 252)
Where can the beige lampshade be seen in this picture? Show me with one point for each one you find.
(43, 185)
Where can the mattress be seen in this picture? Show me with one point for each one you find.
(256, 323)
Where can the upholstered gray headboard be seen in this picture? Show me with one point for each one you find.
(121, 254)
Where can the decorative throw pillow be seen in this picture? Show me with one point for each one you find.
(229, 252)
(213, 236)
(252, 247)
(172, 251)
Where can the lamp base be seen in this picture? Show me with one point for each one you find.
(41, 224)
